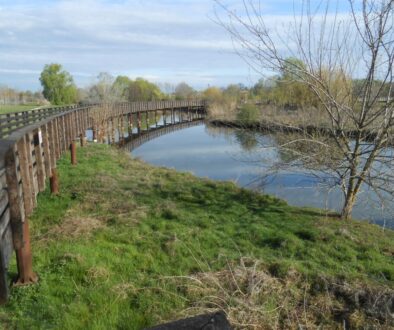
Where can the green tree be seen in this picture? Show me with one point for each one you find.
(120, 88)
(213, 94)
(58, 85)
(143, 90)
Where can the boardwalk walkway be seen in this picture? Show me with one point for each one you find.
(32, 142)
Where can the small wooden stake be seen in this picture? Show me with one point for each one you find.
(54, 182)
(73, 150)
(82, 140)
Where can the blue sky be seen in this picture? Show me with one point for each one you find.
(160, 40)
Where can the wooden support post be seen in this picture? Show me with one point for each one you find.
(24, 259)
(78, 122)
(94, 133)
(106, 131)
(164, 117)
(73, 150)
(147, 120)
(85, 120)
(139, 122)
(112, 130)
(19, 223)
(121, 128)
(130, 124)
(156, 118)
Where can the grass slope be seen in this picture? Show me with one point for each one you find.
(8, 108)
(127, 245)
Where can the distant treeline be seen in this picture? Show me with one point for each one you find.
(285, 90)
(15, 97)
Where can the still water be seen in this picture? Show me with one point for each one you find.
(240, 156)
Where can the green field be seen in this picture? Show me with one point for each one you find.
(7, 108)
(127, 245)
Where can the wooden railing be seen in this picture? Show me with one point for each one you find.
(11, 122)
(31, 144)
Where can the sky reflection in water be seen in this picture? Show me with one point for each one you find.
(227, 154)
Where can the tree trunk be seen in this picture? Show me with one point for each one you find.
(348, 206)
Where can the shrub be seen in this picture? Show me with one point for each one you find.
(248, 113)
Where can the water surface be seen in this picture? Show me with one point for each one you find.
(238, 156)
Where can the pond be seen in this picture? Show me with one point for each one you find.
(240, 156)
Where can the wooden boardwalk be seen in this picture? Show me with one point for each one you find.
(32, 142)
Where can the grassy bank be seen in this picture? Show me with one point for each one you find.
(127, 245)
(7, 108)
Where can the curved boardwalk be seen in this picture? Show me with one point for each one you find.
(31, 143)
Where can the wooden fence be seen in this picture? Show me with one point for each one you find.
(31, 144)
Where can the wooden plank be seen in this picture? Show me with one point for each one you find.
(63, 133)
(32, 170)
(6, 244)
(39, 160)
(6, 250)
(16, 211)
(52, 144)
(67, 134)
(25, 175)
(46, 149)
(3, 201)
(56, 137)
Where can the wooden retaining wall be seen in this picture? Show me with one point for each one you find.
(31, 143)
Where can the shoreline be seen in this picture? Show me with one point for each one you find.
(272, 127)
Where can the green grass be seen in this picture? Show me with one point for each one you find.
(7, 108)
(105, 247)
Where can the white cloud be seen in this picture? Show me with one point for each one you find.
(166, 40)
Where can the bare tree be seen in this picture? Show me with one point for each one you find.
(184, 92)
(101, 91)
(334, 48)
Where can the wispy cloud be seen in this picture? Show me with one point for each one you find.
(151, 38)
